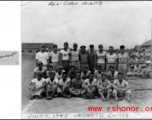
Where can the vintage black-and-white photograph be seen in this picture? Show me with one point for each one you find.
(86, 57)
(9, 58)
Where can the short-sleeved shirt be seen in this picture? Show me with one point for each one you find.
(84, 57)
(59, 76)
(112, 75)
(123, 84)
(62, 83)
(38, 83)
(85, 75)
(55, 81)
(123, 58)
(71, 75)
(101, 57)
(65, 54)
(54, 56)
(87, 81)
(74, 55)
(48, 72)
(111, 58)
(103, 83)
(43, 57)
(97, 75)
(36, 70)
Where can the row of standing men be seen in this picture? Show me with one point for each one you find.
(80, 58)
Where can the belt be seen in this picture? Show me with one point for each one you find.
(74, 61)
(111, 63)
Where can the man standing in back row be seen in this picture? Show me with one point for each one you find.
(111, 58)
(54, 57)
(65, 57)
(101, 57)
(123, 61)
(92, 58)
(42, 56)
(75, 57)
(84, 57)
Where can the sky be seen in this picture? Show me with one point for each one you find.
(112, 23)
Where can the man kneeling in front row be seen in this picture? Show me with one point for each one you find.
(104, 87)
(63, 86)
(76, 86)
(51, 87)
(90, 87)
(37, 86)
(121, 88)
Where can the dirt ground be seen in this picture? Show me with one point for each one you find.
(77, 105)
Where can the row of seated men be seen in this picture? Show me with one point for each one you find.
(83, 84)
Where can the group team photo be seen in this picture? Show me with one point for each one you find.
(77, 56)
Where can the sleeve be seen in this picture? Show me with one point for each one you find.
(33, 81)
(35, 70)
(56, 80)
(116, 56)
(47, 80)
(109, 83)
(126, 83)
(59, 82)
(60, 51)
(50, 54)
(45, 68)
(69, 79)
(47, 56)
(44, 80)
(115, 82)
(37, 56)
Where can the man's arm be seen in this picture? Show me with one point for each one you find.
(60, 58)
(109, 85)
(95, 57)
(84, 85)
(36, 62)
(36, 59)
(127, 87)
(114, 86)
(93, 84)
(34, 75)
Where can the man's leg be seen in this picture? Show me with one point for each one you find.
(94, 92)
(72, 91)
(66, 93)
(108, 94)
(48, 91)
(83, 92)
(115, 94)
(101, 92)
(128, 94)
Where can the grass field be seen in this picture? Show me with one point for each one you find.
(76, 105)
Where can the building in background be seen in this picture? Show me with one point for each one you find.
(34, 47)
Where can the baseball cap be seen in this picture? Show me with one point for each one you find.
(47, 48)
(100, 45)
(75, 44)
(54, 45)
(83, 46)
(60, 67)
(85, 66)
(66, 43)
